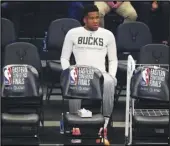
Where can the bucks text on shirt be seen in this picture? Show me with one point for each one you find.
(90, 48)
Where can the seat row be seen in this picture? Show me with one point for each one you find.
(22, 93)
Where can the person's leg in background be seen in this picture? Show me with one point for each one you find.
(104, 8)
(144, 11)
(148, 15)
(127, 11)
(165, 12)
(75, 10)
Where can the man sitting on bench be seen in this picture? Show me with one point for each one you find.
(90, 45)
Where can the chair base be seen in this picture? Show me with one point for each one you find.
(87, 134)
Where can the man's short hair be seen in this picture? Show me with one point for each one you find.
(90, 8)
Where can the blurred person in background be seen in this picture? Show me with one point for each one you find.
(75, 10)
(12, 11)
(155, 14)
(169, 29)
(164, 18)
(124, 9)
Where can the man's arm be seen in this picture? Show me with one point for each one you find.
(66, 51)
(112, 56)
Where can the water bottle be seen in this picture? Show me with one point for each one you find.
(62, 124)
(44, 43)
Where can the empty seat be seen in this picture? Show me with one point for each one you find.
(150, 84)
(147, 97)
(21, 99)
(55, 38)
(130, 38)
(154, 54)
(7, 32)
(25, 53)
(8, 35)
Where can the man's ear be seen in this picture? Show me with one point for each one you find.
(85, 20)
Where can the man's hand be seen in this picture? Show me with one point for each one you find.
(117, 5)
(114, 5)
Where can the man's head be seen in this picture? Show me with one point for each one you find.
(91, 17)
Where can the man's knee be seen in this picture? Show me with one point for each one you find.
(103, 8)
(131, 15)
(127, 11)
(109, 80)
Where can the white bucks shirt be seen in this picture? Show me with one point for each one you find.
(90, 48)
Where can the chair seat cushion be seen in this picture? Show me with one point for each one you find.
(73, 119)
(54, 66)
(19, 118)
(152, 120)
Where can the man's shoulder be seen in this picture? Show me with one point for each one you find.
(105, 31)
(75, 30)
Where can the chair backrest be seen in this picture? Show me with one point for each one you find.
(8, 34)
(154, 54)
(56, 33)
(132, 36)
(82, 82)
(22, 53)
(20, 81)
(150, 82)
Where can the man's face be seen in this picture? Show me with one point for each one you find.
(92, 20)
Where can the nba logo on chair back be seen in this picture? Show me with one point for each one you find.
(7, 75)
(74, 76)
(146, 77)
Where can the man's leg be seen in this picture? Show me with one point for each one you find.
(108, 94)
(74, 105)
(127, 11)
(103, 10)
(108, 98)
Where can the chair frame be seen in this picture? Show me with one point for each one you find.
(130, 104)
(53, 84)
